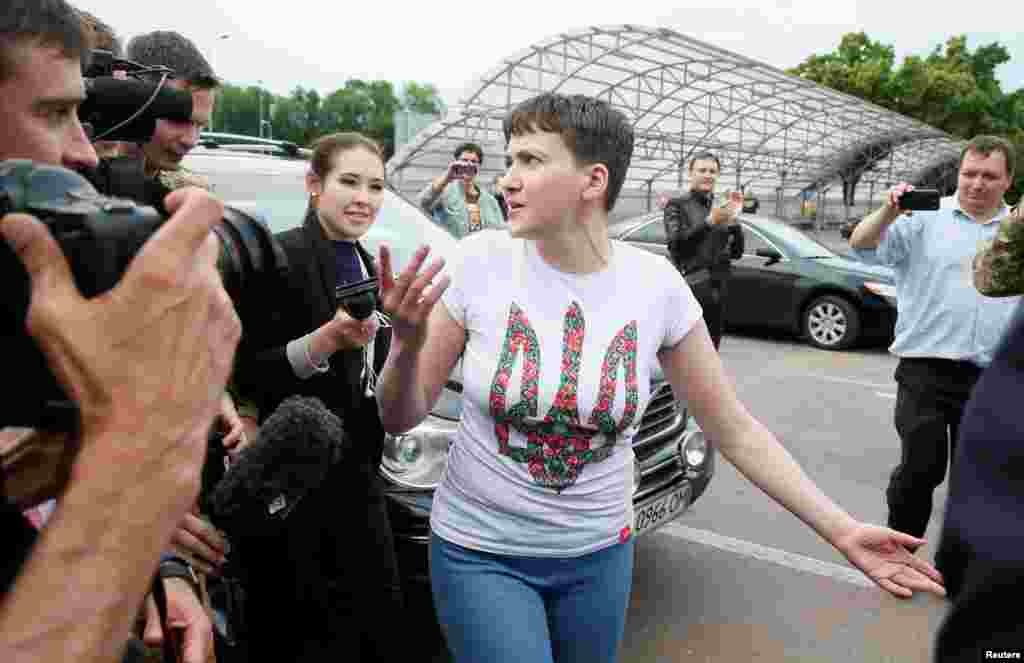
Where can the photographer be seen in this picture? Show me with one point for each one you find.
(946, 332)
(153, 169)
(146, 363)
(456, 202)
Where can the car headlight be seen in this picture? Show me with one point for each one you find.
(417, 459)
(694, 449)
(886, 291)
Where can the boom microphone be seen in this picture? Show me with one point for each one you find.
(296, 446)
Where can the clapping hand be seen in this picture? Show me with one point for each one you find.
(726, 214)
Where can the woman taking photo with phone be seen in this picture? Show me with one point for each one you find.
(331, 590)
(456, 202)
(560, 330)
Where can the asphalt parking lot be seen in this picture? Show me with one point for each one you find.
(738, 577)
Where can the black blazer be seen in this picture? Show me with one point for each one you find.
(304, 301)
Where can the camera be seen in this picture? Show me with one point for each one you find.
(920, 199)
(123, 101)
(99, 236)
(464, 169)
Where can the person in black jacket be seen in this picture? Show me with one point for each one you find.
(981, 549)
(331, 582)
(703, 241)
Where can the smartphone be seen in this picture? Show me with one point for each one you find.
(464, 168)
(920, 199)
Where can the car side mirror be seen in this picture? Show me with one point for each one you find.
(772, 255)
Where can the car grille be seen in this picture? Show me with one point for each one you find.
(661, 422)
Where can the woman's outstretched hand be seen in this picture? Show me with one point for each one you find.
(408, 298)
(885, 556)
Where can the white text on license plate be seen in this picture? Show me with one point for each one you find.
(653, 513)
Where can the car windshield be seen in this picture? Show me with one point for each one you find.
(799, 243)
(275, 188)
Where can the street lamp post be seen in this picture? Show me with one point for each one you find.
(216, 62)
(261, 107)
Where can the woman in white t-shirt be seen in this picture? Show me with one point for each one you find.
(559, 330)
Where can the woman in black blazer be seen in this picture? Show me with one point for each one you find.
(330, 586)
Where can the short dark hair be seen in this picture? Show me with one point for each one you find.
(704, 156)
(46, 23)
(591, 129)
(176, 52)
(986, 145)
(101, 35)
(469, 147)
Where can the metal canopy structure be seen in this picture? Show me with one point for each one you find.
(775, 134)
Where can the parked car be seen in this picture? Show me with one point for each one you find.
(674, 460)
(787, 280)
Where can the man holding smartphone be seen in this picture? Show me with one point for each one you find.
(946, 332)
(704, 239)
(454, 200)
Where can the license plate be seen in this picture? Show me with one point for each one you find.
(653, 513)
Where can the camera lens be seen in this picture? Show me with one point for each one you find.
(249, 256)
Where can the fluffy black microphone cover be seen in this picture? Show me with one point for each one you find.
(296, 446)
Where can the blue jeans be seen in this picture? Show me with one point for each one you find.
(504, 609)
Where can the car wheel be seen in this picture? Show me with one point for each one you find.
(831, 323)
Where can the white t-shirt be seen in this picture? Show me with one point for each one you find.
(556, 376)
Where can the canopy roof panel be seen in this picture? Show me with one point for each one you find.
(771, 131)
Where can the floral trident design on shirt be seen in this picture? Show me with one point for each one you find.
(558, 447)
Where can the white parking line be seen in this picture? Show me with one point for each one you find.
(781, 557)
(859, 383)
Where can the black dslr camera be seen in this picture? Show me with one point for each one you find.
(99, 237)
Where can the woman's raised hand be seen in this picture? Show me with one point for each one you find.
(408, 298)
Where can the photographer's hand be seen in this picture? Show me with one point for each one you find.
(199, 542)
(868, 233)
(147, 363)
(235, 438)
(185, 615)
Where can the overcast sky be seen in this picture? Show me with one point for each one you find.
(322, 43)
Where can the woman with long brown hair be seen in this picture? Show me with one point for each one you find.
(328, 585)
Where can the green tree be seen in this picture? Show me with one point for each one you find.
(422, 98)
(364, 106)
(952, 88)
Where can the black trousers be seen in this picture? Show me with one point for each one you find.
(930, 402)
(710, 294)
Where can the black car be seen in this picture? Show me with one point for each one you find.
(786, 280)
(674, 460)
